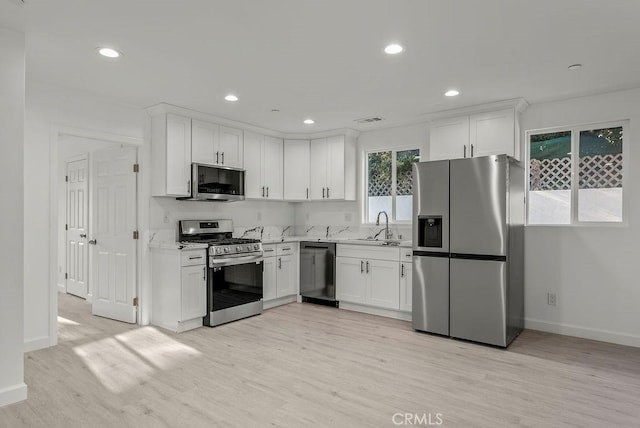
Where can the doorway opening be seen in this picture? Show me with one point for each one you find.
(97, 257)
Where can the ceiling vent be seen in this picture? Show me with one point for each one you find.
(369, 119)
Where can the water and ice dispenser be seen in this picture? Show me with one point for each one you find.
(430, 231)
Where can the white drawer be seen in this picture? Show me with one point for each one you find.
(269, 250)
(406, 255)
(368, 252)
(194, 257)
(285, 248)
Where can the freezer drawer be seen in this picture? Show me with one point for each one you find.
(478, 301)
(430, 293)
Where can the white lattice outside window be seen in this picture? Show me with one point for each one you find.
(576, 175)
(390, 184)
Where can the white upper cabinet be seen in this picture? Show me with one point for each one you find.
(478, 134)
(171, 155)
(449, 138)
(318, 168)
(205, 142)
(492, 133)
(332, 168)
(263, 161)
(231, 147)
(213, 144)
(296, 170)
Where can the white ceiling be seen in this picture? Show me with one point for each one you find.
(324, 59)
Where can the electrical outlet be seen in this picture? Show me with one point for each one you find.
(552, 299)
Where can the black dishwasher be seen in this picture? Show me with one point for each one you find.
(318, 273)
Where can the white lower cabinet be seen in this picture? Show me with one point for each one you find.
(280, 274)
(406, 278)
(368, 281)
(193, 292)
(179, 288)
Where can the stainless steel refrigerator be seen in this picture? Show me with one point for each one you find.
(468, 248)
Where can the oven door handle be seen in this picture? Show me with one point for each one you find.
(231, 261)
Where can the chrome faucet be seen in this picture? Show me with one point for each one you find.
(387, 232)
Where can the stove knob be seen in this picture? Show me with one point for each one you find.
(218, 250)
(238, 249)
(226, 249)
(248, 247)
(256, 246)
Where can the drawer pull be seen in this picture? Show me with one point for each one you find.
(194, 257)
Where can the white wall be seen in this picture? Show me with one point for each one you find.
(12, 72)
(49, 109)
(595, 271)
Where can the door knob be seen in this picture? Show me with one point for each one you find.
(93, 242)
(83, 235)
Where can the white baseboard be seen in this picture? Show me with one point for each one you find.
(39, 343)
(278, 302)
(62, 288)
(389, 313)
(583, 332)
(13, 394)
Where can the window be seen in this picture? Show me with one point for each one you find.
(390, 184)
(576, 175)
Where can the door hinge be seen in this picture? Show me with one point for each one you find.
(135, 234)
(66, 178)
(66, 276)
(135, 301)
(136, 167)
(66, 227)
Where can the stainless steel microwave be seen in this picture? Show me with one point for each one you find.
(216, 183)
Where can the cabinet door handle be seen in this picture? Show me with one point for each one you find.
(188, 186)
(222, 158)
(307, 193)
(263, 191)
(280, 263)
(204, 273)
(217, 157)
(367, 266)
(83, 235)
(267, 191)
(361, 266)
(402, 270)
(327, 193)
(472, 150)
(93, 242)
(465, 151)
(323, 193)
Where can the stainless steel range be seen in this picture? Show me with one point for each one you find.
(235, 269)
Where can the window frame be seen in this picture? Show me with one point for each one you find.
(575, 171)
(394, 184)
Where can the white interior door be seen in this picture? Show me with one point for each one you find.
(77, 219)
(113, 222)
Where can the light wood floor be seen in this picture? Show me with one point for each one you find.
(305, 365)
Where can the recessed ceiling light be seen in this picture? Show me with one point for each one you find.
(451, 93)
(231, 97)
(309, 121)
(109, 52)
(574, 66)
(393, 49)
